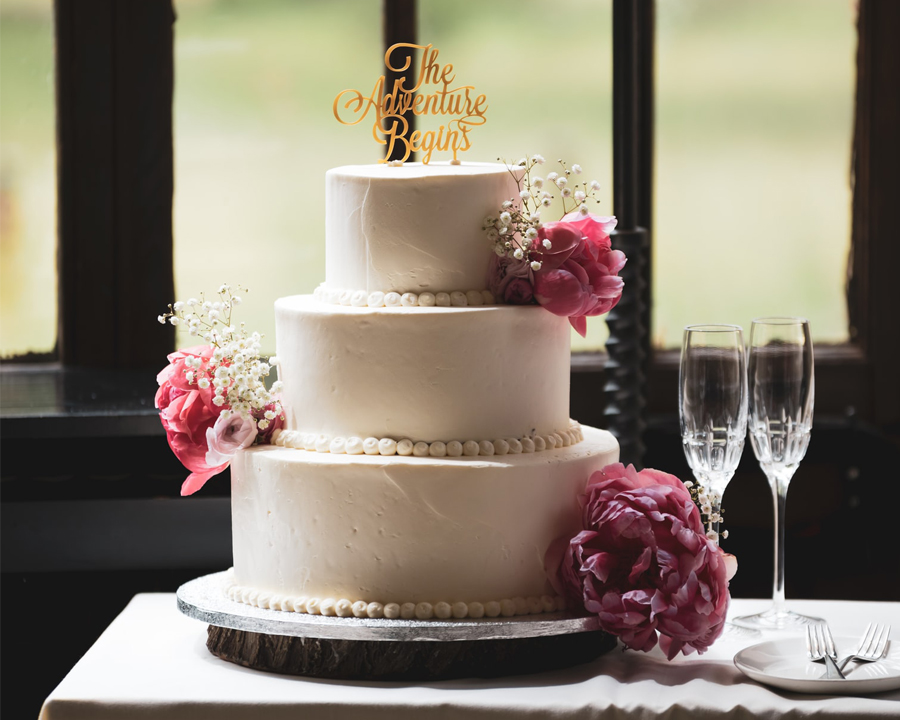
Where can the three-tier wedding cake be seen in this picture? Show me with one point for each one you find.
(427, 459)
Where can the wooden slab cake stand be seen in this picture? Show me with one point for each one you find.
(381, 649)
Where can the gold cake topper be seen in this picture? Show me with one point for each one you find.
(391, 127)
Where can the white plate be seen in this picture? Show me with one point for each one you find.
(783, 664)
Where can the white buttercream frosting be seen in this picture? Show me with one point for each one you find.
(405, 529)
(424, 373)
(413, 228)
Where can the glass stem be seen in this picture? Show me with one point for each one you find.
(715, 488)
(779, 480)
(714, 526)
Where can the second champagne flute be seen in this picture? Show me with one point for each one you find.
(782, 390)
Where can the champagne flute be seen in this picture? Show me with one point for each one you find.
(782, 389)
(712, 402)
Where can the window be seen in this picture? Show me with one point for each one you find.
(27, 180)
(754, 125)
(114, 109)
(254, 134)
(549, 97)
(854, 377)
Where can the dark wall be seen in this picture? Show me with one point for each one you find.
(841, 540)
(85, 524)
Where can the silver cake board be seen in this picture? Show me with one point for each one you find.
(381, 649)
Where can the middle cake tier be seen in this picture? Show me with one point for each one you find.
(423, 373)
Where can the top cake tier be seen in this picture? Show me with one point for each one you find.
(412, 228)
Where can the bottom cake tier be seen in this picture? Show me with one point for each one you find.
(405, 536)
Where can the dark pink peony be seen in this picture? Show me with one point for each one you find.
(643, 563)
(510, 280)
(187, 412)
(579, 273)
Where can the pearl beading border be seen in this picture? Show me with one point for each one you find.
(377, 299)
(454, 448)
(508, 607)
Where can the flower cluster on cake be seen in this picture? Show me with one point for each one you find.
(567, 266)
(212, 398)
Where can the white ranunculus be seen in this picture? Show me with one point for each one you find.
(227, 436)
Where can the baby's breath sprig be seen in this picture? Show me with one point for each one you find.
(705, 499)
(515, 231)
(235, 369)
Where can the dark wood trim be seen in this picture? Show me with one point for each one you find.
(873, 294)
(634, 101)
(626, 113)
(30, 358)
(842, 382)
(645, 162)
(400, 25)
(858, 260)
(625, 387)
(85, 186)
(52, 401)
(634, 30)
(114, 89)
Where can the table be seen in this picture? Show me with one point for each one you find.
(173, 676)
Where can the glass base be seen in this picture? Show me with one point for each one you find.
(774, 619)
(730, 631)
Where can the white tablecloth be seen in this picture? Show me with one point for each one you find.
(152, 663)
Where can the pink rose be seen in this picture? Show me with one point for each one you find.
(227, 436)
(510, 280)
(579, 273)
(187, 412)
(643, 563)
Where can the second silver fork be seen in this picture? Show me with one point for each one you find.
(872, 645)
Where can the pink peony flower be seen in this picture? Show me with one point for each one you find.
(227, 436)
(187, 412)
(171, 379)
(510, 280)
(643, 563)
(579, 273)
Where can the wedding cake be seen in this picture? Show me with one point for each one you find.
(427, 459)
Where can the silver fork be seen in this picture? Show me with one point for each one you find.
(872, 645)
(820, 646)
